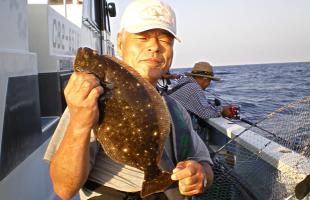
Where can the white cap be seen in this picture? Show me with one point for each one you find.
(143, 15)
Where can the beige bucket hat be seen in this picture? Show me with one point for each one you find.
(203, 69)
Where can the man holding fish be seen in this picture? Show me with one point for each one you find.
(145, 42)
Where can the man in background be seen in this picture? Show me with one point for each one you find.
(189, 91)
(165, 82)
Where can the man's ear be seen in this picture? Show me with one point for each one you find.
(119, 44)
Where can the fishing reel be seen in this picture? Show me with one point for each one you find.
(235, 110)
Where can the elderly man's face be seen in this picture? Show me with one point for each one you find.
(149, 52)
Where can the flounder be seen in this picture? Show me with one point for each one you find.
(134, 121)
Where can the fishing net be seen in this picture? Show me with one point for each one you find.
(265, 160)
(289, 126)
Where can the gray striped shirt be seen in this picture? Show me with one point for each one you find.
(194, 99)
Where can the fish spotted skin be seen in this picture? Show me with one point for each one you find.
(135, 121)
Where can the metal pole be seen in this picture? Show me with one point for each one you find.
(65, 4)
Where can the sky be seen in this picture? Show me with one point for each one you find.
(234, 32)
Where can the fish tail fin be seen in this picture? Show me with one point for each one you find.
(156, 184)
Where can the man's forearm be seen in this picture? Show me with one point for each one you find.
(69, 167)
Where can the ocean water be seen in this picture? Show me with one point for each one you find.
(259, 89)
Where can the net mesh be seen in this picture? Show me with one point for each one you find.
(266, 161)
(290, 126)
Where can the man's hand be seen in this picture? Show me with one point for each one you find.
(175, 76)
(191, 175)
(227, 112)
(81, 94)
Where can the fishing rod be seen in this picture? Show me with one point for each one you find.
(235, 137)
(236, 110)
(236, 116)
(252, 124)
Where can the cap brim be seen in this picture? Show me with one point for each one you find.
(145, 27)
(204, 76)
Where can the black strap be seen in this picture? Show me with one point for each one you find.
(110, 193)
(91, 185)
(107, 191)
(181, 136)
